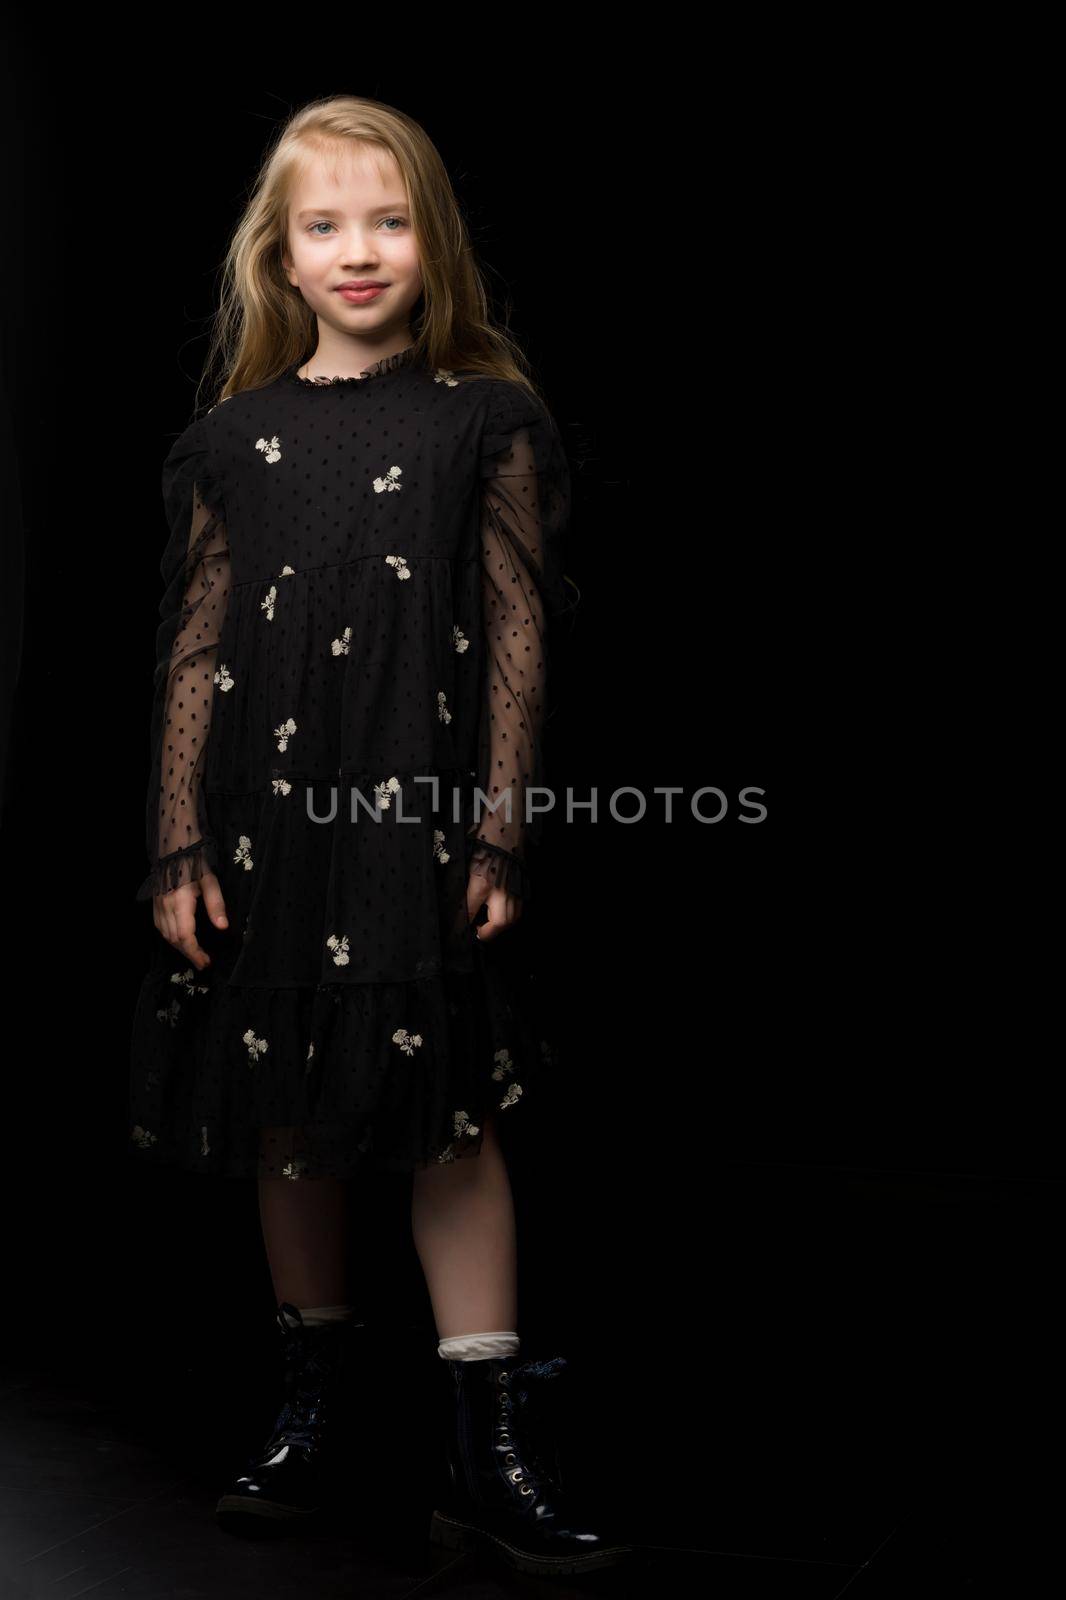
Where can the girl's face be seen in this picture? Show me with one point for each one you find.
(349, 219)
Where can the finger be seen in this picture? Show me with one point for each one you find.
(214, 902)
(168, 915)
(190, 948)
(477, 891)
(503, 911)
(490, 928)
(187, 941)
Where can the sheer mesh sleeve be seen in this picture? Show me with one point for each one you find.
(196, 578)
(525, 508)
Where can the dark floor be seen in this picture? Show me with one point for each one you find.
(771, 1462)
(90, 1507)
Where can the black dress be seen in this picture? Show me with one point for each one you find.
(352, 658)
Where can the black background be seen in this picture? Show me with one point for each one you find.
(795, 1175)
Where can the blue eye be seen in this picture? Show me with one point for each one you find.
(401, 220)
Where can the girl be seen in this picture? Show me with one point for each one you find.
(348, 721)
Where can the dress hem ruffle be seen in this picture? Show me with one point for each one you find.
(379, 1076)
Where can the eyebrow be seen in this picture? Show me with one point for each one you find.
(330, 211)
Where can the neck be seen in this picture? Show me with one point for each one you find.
(345, 365)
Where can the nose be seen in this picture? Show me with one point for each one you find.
(358, 248)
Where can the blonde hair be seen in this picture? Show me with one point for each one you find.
(263, 323)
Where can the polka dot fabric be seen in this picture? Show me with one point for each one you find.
(349, 712)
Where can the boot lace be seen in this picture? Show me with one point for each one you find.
(300, 1418)
(522, 1383)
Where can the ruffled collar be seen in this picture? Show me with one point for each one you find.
(400, 358)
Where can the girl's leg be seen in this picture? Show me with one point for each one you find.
(463, 1223)
(305, 1231)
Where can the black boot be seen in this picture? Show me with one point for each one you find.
(293, 1475)
(499, 1493)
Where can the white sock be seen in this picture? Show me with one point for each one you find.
(478, 1346)
(314, 1316)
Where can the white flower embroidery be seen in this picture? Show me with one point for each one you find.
(439, 852)
(511, 1096)
(460, 640)
(186, 979)
(282, 786)
(406, 1041)
(463, 1126)
(244, 853)
(504, 1064)
(267, 605)
(385, 792)
(256, 1047)
(339, 946)
(341, 645)
(223, 679)
(442, 707)
(205, 1148)
(294, 1168)
(443, 375)
(400, 564)
(287, 572)
(170, 1014)
(284, 734)
(142, 1137)
(389, 482)
(270, 447)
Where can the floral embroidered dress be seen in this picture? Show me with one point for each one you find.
(351, 670)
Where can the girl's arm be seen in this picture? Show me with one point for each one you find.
(196, 573)
(525, 503)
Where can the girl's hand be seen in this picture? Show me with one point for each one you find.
(175, 916)
(503, 908)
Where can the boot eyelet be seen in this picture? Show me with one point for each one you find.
(510, 1458)
(526, 1489)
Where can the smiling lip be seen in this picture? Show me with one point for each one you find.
(363, 283)
(361, 297)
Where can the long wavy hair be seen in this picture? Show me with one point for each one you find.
(263, 323)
